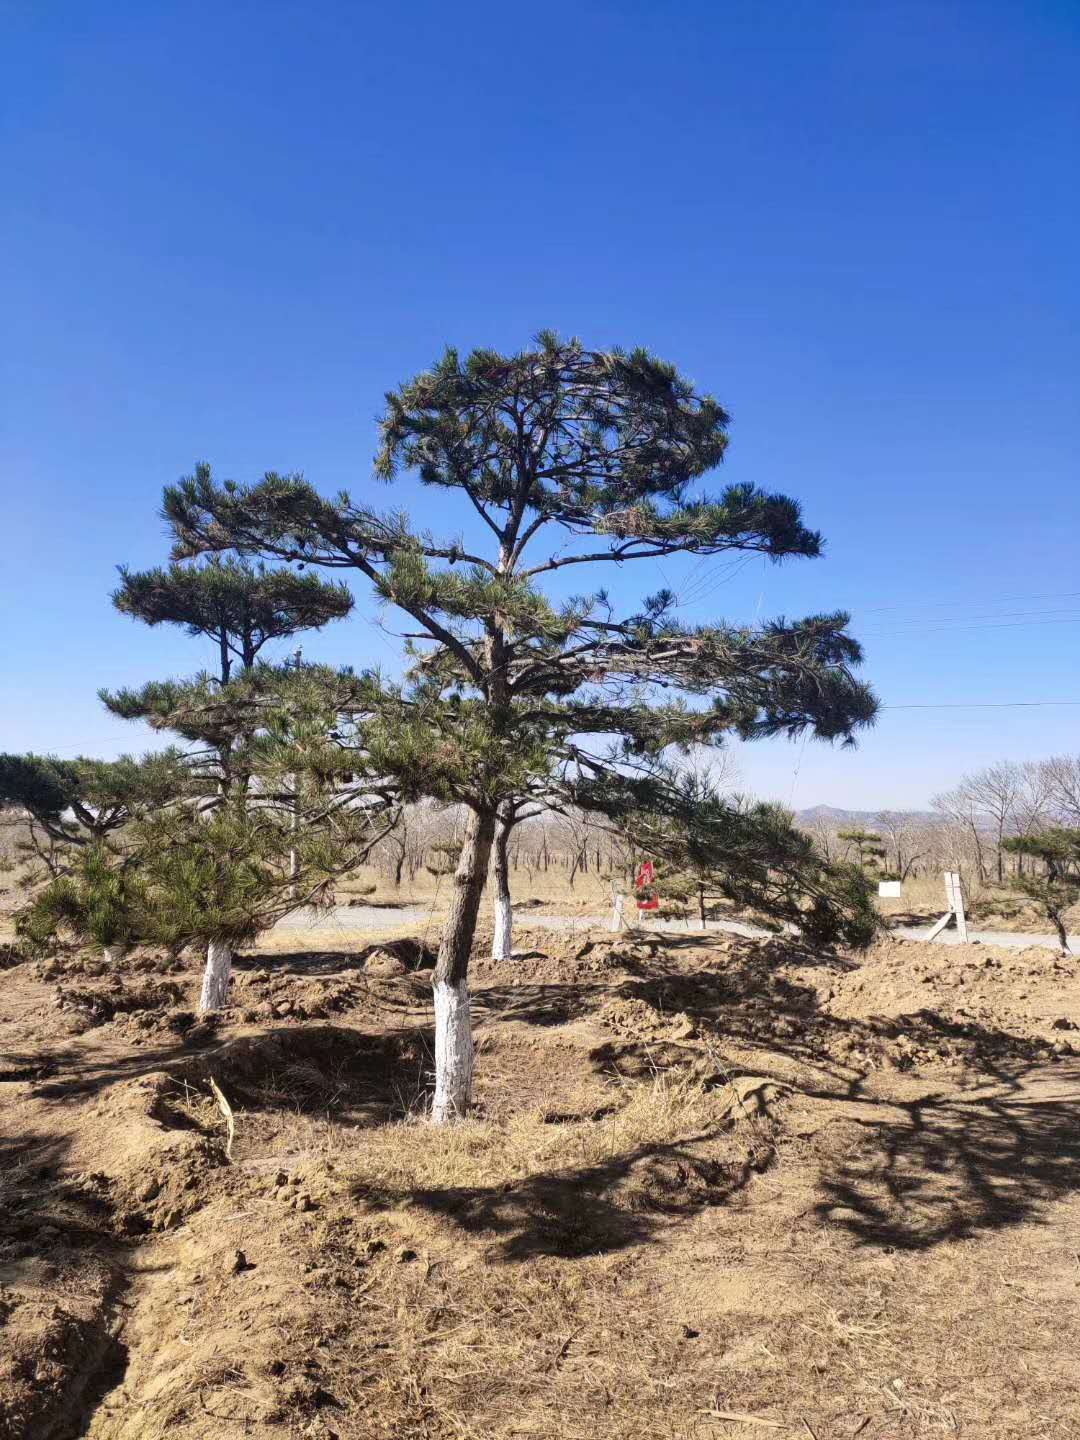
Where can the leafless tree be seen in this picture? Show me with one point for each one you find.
(901, 835)
(1062, 779)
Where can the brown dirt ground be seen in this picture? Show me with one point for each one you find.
(722, 1189)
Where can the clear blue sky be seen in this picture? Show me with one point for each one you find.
(228, 228)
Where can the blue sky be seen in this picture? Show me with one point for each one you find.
(229, 228)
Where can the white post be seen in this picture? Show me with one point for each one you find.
(957, 906)
(617, 922)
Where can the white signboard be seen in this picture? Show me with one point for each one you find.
(890, 889)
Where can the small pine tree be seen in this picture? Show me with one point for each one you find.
(870, 847)
(240, 607)
(101, 899)
(442, 859)
(751, 853)
(1057, 886)
(237, 605)
(236, 857)
(80, 802)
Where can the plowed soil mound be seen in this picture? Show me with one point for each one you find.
(710, 1187)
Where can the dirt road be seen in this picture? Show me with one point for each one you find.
(366, 918)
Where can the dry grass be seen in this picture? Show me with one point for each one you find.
(411, 1156)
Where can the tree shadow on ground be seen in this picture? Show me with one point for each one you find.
(303, 963)
(946, 1168)
(592, 1209)
(347, 1075)
(414, 955)
(338, 1071)
(44, 1209)
(913, 1173)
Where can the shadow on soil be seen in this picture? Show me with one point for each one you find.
(912, 1173)
(594, 1209)
(907, 1173)
(947, 1168)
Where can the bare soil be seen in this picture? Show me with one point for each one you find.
(713, 1188)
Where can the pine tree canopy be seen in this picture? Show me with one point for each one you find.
(568, 457)
(596, 447)
(1058, 848)
(101, 899)
(77, 800)
(275, 806)
(1057, 887)
(238, 605)
(748, 852)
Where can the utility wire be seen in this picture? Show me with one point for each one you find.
(960, 628)
(984, 705)
(986, 615)
(944, 604)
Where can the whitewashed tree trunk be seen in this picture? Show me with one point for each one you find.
(453, 1022)
(453, 1051)
(502, 943)
(216, 976)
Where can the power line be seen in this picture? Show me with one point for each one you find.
(984, 705)
(959, 627)
(997, 615)
(944, 604)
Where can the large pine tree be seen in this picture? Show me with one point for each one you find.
(567, 457)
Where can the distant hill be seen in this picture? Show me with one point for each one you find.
(831, 815)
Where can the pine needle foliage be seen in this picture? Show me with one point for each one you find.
(868, 845)
(238, 605)
(277, 806)
(101, 900)
(598, 445)
(716, 846)
(1056, 886)
(564, 456)
(79, 802)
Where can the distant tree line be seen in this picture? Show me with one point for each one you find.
(970, 828)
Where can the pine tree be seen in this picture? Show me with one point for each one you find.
(869, 846)
(1057, 886)
(512, 696)
(237, 605)
(712, 845)
(100, 899)
(240, 607)
(82, 802)
(276, 810)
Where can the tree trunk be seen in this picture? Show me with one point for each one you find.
(453, 1023)
(1059, 926)
(502, 941)
(216, 976)
(701, 904)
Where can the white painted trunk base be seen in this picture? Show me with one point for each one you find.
(216, 976)
(502, 943)
(453, 1052)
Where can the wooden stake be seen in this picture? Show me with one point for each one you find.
(230, 1120)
